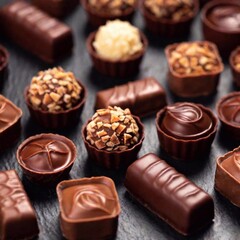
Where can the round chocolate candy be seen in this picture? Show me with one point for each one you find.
(46, 157)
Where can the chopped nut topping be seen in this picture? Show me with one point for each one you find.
(236, 60)
(193, 58)
(110, 131)
(54, 85)
(170, 9)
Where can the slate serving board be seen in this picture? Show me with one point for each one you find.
(135, 222)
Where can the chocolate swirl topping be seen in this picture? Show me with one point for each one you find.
(186, 121)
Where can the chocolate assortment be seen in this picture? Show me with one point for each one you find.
(51, 40)
(18, 218)
(169, 194)
(89, 208)
(134, 95)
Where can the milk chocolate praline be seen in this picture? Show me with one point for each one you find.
(186, 130)
(169, 26)
(4, 58)
(235, 65)
(228, 109)
(113, 137)
(46, 158)
(221, 25)
(227, 177)
(99, 12)
(55, 98)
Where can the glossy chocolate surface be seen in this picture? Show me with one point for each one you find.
(169, 194)
(89, 208)
(40, 34)
(135, 96)
(186, 121)
(17, 217)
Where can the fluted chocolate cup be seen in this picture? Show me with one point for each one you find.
(188, 132)
(167, 27)
(97, 18)
(116, 68)
(235, 71)
(4, 58)
(114, 159)
(61, 119)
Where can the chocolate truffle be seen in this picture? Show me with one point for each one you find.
(111, 134)
(228, 108)
(186, 130)
(227, 178)
(100, 11)
(55, 92)
(45, 158)
(4, 57)
(170, 18)
(194, 68)
(10, 123)
(220, 19)
(89, 208)
(117, 48)
(235, 65)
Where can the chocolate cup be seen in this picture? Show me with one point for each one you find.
(4, 65)
(225, 183)
(226, 41)
(165, 27)
(193, 85)
(114, 159)
(184, 149)
(230, 129)
(92, 228)
(235, 71)
(55, 120)
(118, 68)
(97, 19)
(46, 177)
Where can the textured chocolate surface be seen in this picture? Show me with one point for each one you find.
(169, 194)
(17, 217)
(89, 208)
(135, 96)
(40, 34)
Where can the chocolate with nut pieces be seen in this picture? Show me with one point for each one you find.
(235, 65)
(194, 68)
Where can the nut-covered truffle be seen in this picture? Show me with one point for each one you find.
(54, 90)
(170, 9)
(113, 129)
(117, 40)
(114, 7)
(236, 60)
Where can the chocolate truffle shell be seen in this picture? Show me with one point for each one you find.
(235, 71)
(4, 58)
(114, 159)
(97, 19)
(168, 28)
(61, 119)
(225, 182)
(226, 40)
(118, 68)
(180, 148)
(35, 153)
(193, 85)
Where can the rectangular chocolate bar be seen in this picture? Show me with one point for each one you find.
(55, 8)
(169, 194)
(17, 217)
(35, 31)
(142, 97)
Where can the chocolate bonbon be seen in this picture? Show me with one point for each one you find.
(169, 194)
(4, 57)
(134, 95)
(10, 122)
(45, 157)
(59, 8)
(40, 34)
(89, 208)
(235, 65)
(17, 216)
(227, 178)
(186, 130)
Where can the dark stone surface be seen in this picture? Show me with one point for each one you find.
(135, 222)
